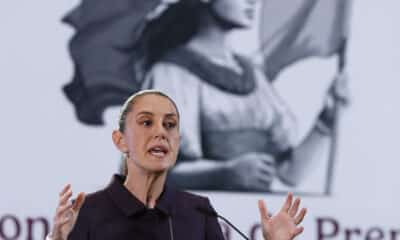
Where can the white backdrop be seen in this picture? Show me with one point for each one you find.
(43, 146)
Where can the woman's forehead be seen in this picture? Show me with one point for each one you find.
(154, 104)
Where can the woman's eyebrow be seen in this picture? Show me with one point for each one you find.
(144, 113)
(171, 115)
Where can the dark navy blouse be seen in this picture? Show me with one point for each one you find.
(114, 213)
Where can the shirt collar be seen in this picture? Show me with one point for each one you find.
(130, 205)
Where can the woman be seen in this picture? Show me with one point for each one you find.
(140, 206)
(237, 132)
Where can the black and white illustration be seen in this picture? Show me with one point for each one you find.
(245, 126)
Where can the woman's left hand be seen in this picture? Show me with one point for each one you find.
(283, 225)
(340, 89)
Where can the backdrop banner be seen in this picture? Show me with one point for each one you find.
(310, 85)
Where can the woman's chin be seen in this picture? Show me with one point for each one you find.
(245, 24)
(159, 165)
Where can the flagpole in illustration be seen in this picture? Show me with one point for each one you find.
(338, 101)
(291, 31)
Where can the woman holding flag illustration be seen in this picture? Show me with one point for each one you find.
(237, 132)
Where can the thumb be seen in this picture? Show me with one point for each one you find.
(298, 231)
(79, 202)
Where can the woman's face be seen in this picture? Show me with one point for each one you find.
(152, 133)
(238, 13)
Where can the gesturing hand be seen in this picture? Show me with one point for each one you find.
(283, 225)
(66, 214)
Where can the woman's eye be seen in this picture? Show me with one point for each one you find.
(170, 125)
(146, 123)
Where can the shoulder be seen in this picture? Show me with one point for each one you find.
(192, 208)
(169, 76)
(251, 63)
(175, 81)
(93, 202)
(197, 211)
(187, 200)
(188, 197)
(170, 70)
(94, 199)
(89, 215)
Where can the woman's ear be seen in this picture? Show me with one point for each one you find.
(119, 141)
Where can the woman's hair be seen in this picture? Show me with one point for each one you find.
(175, 27)
(128, 104)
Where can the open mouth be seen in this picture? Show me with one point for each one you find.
(158, 151)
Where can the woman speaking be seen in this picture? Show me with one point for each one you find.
(140, 205)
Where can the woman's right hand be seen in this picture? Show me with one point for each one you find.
(251, 171)
(66, 214)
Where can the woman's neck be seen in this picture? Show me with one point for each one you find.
(211, 39)
(145, 186)
(212, 44)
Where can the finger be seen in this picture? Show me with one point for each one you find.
(263, 210)
(258, 183)
(266, 167)
(288, 203)
(65, 220)
(341, 92)
(295, 207)
(62, 209)
(267, 159)
(65, 197)
(261, 186)
(265, 179)
(266, 173)
(65, 189)
(298, 230)
(79, 202)
(299, 218)
(269, 169)
(341, 88)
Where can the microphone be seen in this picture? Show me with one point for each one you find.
(171, 230)
(213, 213)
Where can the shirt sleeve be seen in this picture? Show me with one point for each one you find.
(284, 129)
(184, 88)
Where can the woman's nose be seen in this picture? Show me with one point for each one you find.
(160, 131)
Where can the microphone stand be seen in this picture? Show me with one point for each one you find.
(212, 213)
